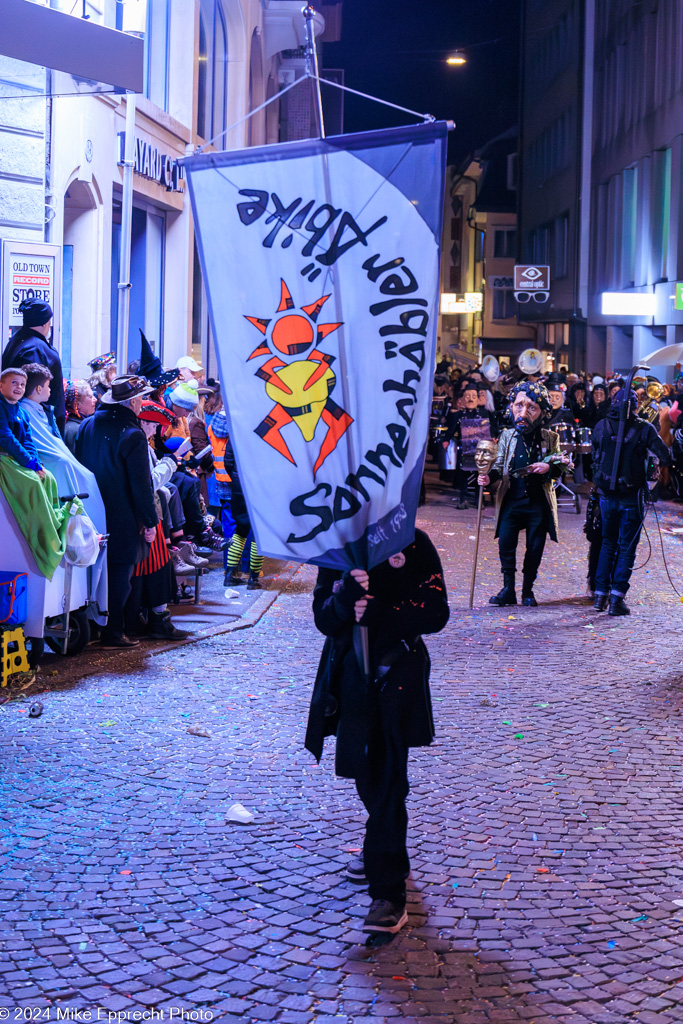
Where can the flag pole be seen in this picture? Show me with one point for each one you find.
(476, 545)
(309, 14)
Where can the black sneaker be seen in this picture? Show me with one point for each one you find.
(385, 916)
(116, 643)
(355, 871)
(233, 578)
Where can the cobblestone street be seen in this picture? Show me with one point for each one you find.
(545, 821)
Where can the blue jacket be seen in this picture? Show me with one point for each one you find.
(15, 435)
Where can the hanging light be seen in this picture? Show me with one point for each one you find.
(457, 57)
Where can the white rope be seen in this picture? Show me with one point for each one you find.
(251, 113)
(375, 99)
(429, 118)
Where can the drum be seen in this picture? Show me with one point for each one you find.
(584, 444)
(565, 432)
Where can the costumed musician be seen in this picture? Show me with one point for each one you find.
(467, 427)
(622, 507)
(527, 463)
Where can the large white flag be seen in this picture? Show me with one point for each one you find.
(321, 265)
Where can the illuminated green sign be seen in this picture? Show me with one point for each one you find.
(678, 304)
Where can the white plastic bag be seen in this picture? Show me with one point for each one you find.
(82, 541)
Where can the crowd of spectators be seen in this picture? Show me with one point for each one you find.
(149, 449)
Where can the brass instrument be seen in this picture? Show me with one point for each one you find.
(648, 409)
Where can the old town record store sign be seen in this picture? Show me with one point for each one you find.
(151, 163)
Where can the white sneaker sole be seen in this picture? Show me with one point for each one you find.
(388, 929)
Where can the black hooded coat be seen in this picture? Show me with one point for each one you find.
(406, 603)
(29, 346)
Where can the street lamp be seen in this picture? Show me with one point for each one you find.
(458, 57)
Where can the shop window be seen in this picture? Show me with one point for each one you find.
(661, 212)
(505, 243)
(212, 83)
(147, 259)
(155, 85)
(504, 305)
(629, 221)
(561, 260)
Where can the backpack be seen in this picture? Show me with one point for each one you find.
(632, 464)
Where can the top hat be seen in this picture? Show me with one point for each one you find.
(123, 388)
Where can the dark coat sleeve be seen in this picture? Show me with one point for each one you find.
(425, 608)
(656, 446)
(333, 608)
(133, 452)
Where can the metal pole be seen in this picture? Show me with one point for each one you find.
(476, 545)
(312, 64)
(126, 227)
(621, 433)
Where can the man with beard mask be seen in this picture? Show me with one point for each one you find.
(525, 498)
(468, 426)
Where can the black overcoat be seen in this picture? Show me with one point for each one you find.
(112, 445)
(406, 603)
(29, 346)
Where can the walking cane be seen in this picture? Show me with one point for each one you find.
(484, 457)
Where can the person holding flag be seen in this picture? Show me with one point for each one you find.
(377, 720)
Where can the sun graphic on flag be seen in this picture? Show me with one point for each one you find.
(300, 388)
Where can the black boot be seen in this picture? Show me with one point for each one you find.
(600, 602)
(528, 599)
(617, 606)
(161, 627)
(233, 578)
(507, 594)
(254, 581)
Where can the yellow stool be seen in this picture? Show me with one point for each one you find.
(14, 660)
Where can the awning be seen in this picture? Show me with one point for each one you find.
(43, 36)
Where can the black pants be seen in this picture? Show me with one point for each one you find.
(188, 488)
(622, 523)
(383, 788)
(529, 515)
(119, 586)
(593, 559)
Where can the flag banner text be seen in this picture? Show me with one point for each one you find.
(321, 265)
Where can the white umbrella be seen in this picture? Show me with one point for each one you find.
(667, 356)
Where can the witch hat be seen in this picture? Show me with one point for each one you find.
(151, 368)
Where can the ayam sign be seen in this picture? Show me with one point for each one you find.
(151, 163)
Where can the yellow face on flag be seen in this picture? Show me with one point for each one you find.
(310, 402)
(301, 388)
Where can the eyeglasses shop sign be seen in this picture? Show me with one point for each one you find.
(153, 164)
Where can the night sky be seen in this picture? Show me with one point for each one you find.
(395, 49)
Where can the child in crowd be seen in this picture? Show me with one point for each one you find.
(15, 428)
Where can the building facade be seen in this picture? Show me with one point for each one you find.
(554, 139)
(637, 177)
(207, 64)
(601, 175)
(478, 257)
